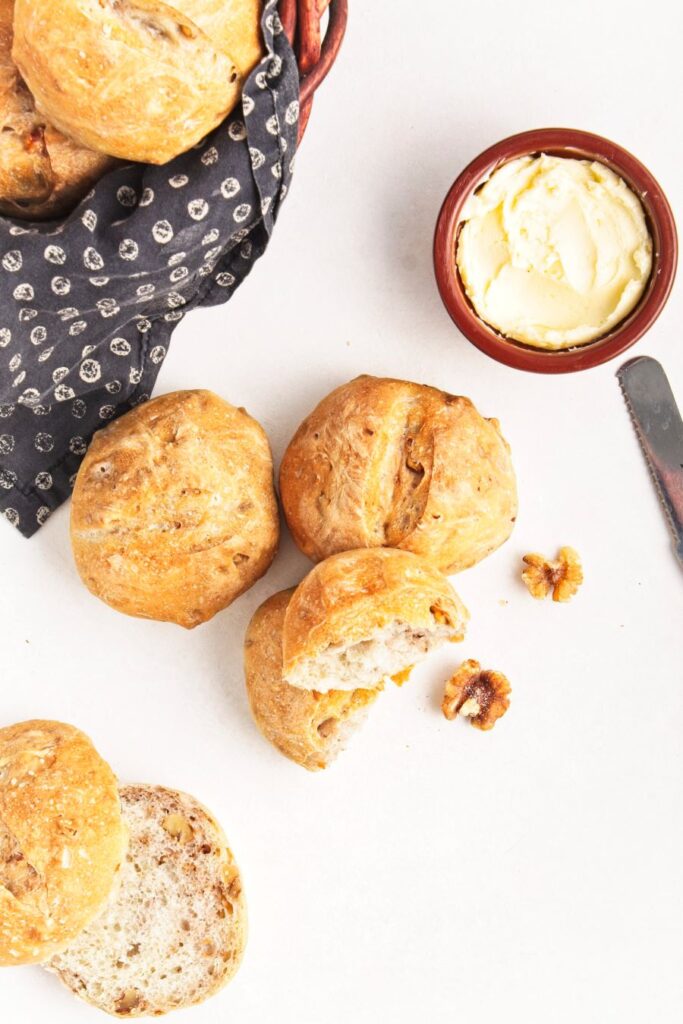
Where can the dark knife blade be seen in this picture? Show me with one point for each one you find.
(659, 428)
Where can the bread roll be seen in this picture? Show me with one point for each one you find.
(308, 727)
(136, 79)
(174, 932)
(387, 462)
(62, 839)
(363, 616)
(174, 512)
(42, 173)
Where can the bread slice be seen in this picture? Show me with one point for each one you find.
(175, 930)
(364, 616)
(308, 727)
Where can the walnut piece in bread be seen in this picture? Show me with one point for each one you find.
(42, 173)
(383, 462)
(136, 79)
(363, 616)
(174, 512)
(174, 932)
(62, 839)
(308, 727)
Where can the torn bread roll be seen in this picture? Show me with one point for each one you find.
(137, 79)
(364, 616)
(382, 462)
(174, 513)
(42, 173)
(62, 838)
(174, 932)
(308, 727)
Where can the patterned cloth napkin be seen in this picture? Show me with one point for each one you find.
(88, 305)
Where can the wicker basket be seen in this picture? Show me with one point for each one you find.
(316, 50)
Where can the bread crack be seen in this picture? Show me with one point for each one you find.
(412, 476)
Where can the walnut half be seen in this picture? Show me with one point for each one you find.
(478, 694)
(563, 576)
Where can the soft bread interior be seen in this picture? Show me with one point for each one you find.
(366, 663)
(310, 728)
(174, 931)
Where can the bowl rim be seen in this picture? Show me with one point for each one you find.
(582, 145)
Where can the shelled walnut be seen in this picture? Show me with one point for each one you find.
(563, 576)
(479, 694)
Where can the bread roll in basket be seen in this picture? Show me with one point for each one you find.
(88, 302)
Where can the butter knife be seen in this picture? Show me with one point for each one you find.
(659, 429)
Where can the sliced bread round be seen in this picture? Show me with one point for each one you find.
(175, 930)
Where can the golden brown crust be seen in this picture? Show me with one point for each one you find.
(349, 596)
(388, 462)
(303, 725)
(174, 512)
(42, 173)
(233, 25)
(61, 838)
(136, 79)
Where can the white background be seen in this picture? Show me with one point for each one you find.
(435, 873)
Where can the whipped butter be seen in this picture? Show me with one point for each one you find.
(554, 252)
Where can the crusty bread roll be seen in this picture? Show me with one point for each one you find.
(387, 462)
(174, 931)
(364, 616)
(136, 79)
(174, 512)
(62, 839)
(308, 727)
(42, 173)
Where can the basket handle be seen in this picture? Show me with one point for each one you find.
(315, 54)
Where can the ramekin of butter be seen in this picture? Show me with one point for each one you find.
(555, 250)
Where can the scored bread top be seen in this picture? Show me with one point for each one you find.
(306, 726)
(62, 839)
(350, 596)
(383, 462)
(234, 26)
(174, 512)
(174, 931)
(136, 79)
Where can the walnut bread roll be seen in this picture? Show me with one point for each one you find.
(62, 838)
(137, 79)
(174, 931)
(308, 727)
(42, 173)
(383, 462)
(364, 616)
(174, 512)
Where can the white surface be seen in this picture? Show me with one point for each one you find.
(435, 873)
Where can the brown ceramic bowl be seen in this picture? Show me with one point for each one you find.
(583, 146)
